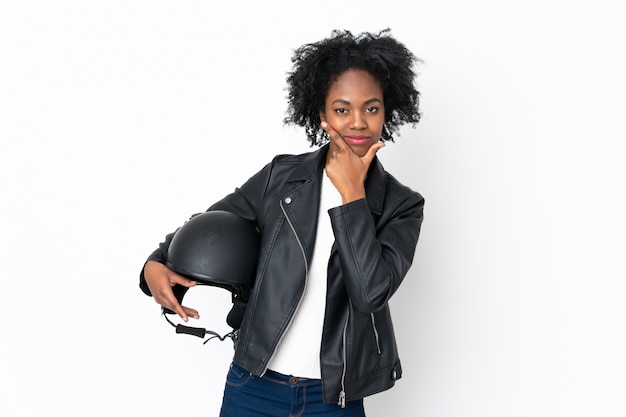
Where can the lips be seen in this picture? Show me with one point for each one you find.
(357, 140)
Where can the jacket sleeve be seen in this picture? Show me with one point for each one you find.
(244, 201)
(157, 255)
(376, 257)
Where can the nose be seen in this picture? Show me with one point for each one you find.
(358, 121)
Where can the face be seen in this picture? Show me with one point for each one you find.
(355, 109)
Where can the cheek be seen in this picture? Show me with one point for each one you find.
(379, 124)
(334, 121)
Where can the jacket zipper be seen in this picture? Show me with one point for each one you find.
(342, 393)
(375, 333)
(306, 278)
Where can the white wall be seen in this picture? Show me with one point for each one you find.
(119, 119)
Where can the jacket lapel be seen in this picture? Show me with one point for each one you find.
(302, 199)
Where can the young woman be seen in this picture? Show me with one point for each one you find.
(338, 235)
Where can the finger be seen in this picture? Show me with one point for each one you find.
(176, 278)
(185, 282)
(334, 136)
(191, 312)
(371, 152)
(178, 309)
(167, 299)
(184, 312)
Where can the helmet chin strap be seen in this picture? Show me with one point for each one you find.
(239, 299)
(200, 332)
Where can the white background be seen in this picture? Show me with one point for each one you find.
(119, 119)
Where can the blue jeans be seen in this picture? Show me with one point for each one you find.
(278, 395)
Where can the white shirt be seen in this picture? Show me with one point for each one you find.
(298, 353)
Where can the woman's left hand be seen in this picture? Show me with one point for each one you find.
(346, 169)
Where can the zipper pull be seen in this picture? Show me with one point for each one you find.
(342, 400)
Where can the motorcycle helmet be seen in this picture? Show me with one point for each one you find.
(216, 248)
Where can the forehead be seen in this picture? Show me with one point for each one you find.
(355, 83)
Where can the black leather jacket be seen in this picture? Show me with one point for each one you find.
(375, 240)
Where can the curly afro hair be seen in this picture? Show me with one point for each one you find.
(317, 65)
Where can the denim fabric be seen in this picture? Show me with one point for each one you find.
(278, 395)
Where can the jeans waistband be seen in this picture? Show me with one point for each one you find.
(289, 379)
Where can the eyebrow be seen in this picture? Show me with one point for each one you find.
(367, 102)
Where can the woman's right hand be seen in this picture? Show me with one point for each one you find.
(161, 280)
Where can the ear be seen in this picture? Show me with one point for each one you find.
(322, 116)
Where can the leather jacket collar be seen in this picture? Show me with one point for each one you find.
(374, 184)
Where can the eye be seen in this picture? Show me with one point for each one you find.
(341, 111)
(372, 109)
